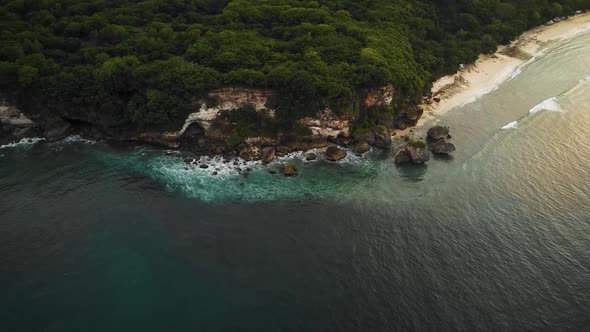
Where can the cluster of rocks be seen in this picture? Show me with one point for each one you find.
(418, 151)
(438, 137)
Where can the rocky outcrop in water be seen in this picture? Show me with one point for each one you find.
(333, 153)
(290, 170)
(438, 132)
(412, 151)
(438, 143)
(361, 147)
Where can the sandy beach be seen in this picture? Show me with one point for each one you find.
(489, 71)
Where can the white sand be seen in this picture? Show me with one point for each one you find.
(489, 71)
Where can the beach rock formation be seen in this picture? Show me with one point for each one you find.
(310, 156)
(334, 153)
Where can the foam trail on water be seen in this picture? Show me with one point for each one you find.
(522, 67)
(23, 142)
(547, 105)
(511, 125)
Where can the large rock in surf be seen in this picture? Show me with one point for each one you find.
(290, 170)
(438, 132)
(417, 152)
(268, 155)
(361, 147)
(414, 152)
(334, 153)
(442, 147)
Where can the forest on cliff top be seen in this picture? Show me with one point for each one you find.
(144, 63)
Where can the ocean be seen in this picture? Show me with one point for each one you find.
(96, 237)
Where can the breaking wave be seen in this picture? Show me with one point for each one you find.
(522, 67)
(511, 125)
(25, 142)
(547, 105)
(218, 179)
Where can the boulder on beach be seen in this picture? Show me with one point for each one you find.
(333, 153)
(290, 169)
(268, 155)
(438, 132)
(310, 156)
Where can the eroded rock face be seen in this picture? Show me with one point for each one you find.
(229, 98)
(379, 96)
(192, 136)
(14, 125)
(334, 153)
(327, 124)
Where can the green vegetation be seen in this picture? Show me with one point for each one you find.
(416, 143)
(145, 63)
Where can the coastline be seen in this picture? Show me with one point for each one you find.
(489, 71)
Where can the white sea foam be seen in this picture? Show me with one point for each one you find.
(511, 125)
(23, 142)
(547, 105)
(77, 139)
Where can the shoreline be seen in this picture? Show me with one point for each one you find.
(490, 71)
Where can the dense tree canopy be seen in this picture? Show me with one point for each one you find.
(145, 62)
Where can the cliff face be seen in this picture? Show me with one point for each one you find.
(14, 125)
(325, 124)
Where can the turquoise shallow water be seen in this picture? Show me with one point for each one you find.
(99, 238)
